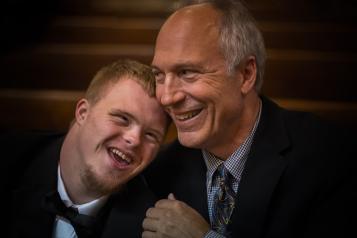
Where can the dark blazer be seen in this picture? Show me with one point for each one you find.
(297, 181)
(33, 173)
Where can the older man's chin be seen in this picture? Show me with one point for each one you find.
(191, 139)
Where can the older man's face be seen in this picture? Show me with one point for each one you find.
(192, 81)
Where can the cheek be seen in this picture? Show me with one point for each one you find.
(149, 152)
(91, 126)
(100, 126)
(158, 92)
(206, 91)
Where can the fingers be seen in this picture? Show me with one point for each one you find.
(156, 227)
(150, 224)
(173, 218)
(148, 234)
(170, 203)
(171, 196)
(155, 212)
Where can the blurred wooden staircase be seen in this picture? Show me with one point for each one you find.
(312, 56)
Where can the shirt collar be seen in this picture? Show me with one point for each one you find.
(91, 208)
(236, 160)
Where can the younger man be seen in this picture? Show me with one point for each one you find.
(117, 131)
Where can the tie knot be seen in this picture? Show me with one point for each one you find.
(223, 174)
(82, 224)
(53, 203)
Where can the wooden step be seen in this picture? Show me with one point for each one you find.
(315, 75)
(102, 30)
(54, 109)
(122, 30)
(284, 10)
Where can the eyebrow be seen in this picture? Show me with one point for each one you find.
(116, 112)
(182, 65)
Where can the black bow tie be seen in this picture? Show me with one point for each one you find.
(83, 225)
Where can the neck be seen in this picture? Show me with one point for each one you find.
(71, 169)
(241, 128)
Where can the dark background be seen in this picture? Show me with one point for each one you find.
(50, 50)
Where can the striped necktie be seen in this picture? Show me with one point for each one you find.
(223, 201)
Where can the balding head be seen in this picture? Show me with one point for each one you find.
(191, 30)
(200, 14)
(228, 25)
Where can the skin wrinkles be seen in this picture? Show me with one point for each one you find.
(212, 109)
(192, 74)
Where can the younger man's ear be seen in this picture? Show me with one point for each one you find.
(249, 73)
(82, 110)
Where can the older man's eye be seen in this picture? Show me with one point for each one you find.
(123, 119)
(187, 73)
(159, 76)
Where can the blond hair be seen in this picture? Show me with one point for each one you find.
(112, 73)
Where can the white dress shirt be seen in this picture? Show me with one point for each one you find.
(62, 227)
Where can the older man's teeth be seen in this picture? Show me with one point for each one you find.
(120, 155)
(187, 116)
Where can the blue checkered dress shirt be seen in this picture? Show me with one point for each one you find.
(234, 164)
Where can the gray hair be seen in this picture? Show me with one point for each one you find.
(239, 35)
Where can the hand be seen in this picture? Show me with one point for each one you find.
(173, 218)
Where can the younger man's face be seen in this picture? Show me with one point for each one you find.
(119, 135)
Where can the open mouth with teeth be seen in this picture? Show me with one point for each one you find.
(119, 156)
(188, 115)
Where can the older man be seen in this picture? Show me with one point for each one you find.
(244, 167)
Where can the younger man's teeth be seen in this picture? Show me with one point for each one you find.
(121, 155)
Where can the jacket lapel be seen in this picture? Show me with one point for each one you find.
(181, 171)
(193, 190)
(263, 169)
(29, 219)
(127, 210)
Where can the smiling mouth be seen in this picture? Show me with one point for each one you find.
(188, 115)
(119, 156)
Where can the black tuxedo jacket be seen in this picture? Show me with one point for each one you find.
(297, 182)
(30, 172)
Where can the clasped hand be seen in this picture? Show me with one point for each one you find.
(173, 218)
